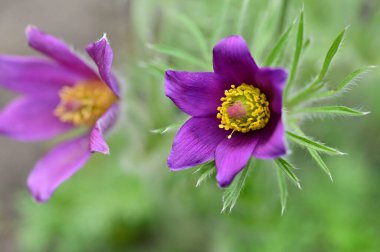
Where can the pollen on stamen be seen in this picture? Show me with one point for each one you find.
(84, 103)
(244, 108)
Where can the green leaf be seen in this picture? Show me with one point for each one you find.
(297, 55)
(279, 47)
(178, 53)
(195, 32)
(169, 128)
(318, 159)
(206, 170)
(287, 168)
(331, 53)
(314, 154)
(308, 143)
(348, 80)
(231, 194)
(243, 12)
(333, 110)
(312, 89)
(283, 186)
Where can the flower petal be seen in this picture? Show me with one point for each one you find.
(31, 118)
(97, 141)
(232, 155)
(58, 165)
(101, 53)
(196, 93)
(58, 50)
(32, 75)
(195, 143)
(272, 142)
(233, 60)
(271, 81)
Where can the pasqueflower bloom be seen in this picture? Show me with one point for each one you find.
(59, 93)
(236, 112)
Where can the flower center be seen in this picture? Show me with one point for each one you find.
(84, 103)
(244, 108)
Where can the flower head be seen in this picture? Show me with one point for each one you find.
(59, 93)
(236, 112)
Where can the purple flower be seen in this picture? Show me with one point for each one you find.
(236, 112)
(59, 93)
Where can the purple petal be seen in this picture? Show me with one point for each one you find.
(272, 142)
(233, 60)
(195, 143)
(58, 50)
(97, 141)
(58, 165)
(33, 75)
(232, 155)
(31, 118)
(101, 53)
(271, 81)
(196, 93)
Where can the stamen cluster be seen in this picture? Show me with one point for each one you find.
(84, 103)
(244, 108)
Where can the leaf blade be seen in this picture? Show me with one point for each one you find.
(279, 46)
(297, 54)
(206, 170)
(307, 142)
(232, 193)
(283, 187)
(347, 81)
(169, 128)
(335, 110)
(315, 155)
(287, 168)
(318, 159)
(331, 53)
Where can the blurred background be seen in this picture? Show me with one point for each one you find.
(130, 201)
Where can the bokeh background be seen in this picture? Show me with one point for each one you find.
(130, 201)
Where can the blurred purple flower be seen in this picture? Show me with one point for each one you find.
(59, 93)
(236, 112)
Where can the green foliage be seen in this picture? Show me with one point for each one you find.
(279, 47)
(287, 168)
(317, 158)
(232, 192)
(297, 54)
(308, 143)
(283, 186)
(205, 170)
(317, 84)
(169, 128)
(351, 78)
(330, 55)
(314, 154)
(332, 110)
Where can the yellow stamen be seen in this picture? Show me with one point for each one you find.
(84, 103)
(244, 108)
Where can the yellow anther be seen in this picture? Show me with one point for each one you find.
(244, 108)
(84, 103)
